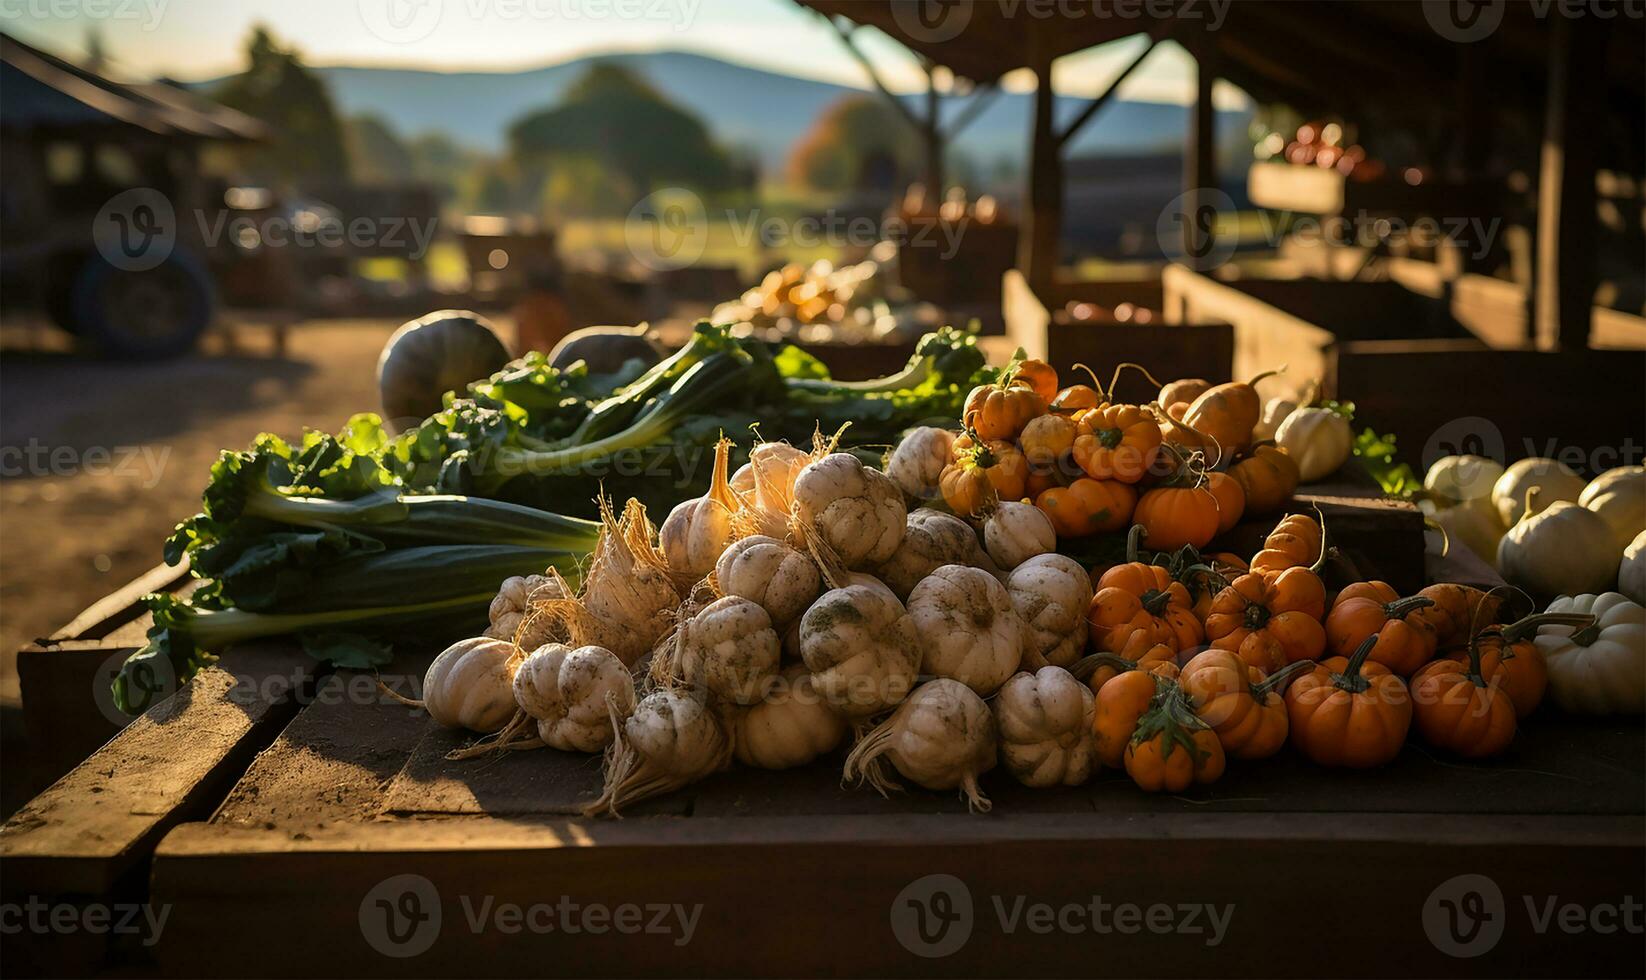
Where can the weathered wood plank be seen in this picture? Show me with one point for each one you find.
(810, 895)
(98, 823)
(336, 759)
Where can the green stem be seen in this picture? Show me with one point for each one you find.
(1351, 679)
(1134, 537)
(1527, 627)
(1277, 681)
(1401, 608)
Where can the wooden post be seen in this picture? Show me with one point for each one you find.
(1564, 287)
(1200, 160)
(1039, 246)
(932, 133)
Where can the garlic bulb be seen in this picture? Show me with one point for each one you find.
(566, 691)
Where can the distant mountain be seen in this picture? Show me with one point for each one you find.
(760, 111)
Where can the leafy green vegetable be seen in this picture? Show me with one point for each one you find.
(1376, 455)
(348, 540)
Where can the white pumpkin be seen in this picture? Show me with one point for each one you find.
(1455, 479)
(968, 629)
(1597, 670)
(1474, 524)
(1619, 497)
(1631, 571)
(1319, 439)
(1016, 532)
(1554, 478)
(791, 726)
(566, 692)
(918, 461)
(1558, 549)
(470, 685)
(1045, 723)
(1275, 411)
(1051, 593)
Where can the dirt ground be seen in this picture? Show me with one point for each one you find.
(99, 459)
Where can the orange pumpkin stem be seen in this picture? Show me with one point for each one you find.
(1277, 682)
(1401, 608)
(1171, 717)
(1351, 680)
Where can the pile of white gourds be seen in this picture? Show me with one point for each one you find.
(798, 605)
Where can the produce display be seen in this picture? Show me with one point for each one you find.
(1031, 585)
(1540, 525)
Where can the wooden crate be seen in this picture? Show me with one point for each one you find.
(64, 679)
(1171, 350)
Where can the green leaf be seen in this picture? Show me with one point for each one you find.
(792, 362)
(353, 650)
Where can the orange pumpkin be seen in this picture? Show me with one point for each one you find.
(1138, 653)
(1174, 516)
(1270, 622)
(1047, 438)
(1510, 660)
(1349, 712)
(1038, 375)
(1088, 506)
(1295, 541)
(1231, 499)
(1116, 709)
(1227, 413)
(1116, 442)
(1183, 392)
(982, 475)
(1076, 398)
(1268, 475)
(1139, 598)
(1373, 609)
(1455, 707)
(1458, 611)
(1172, 748)
(1001, 410)
(1043, 478)
(1240, 703)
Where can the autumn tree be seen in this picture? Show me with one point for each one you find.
(858, 143)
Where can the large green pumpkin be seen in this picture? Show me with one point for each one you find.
(430, 356)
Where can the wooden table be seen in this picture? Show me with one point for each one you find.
(286, 820)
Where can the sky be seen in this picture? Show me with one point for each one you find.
(195, 39)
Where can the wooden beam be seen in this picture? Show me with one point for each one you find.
(1103, 98)
(841, 28)
(1040, 245)
(976, 103)
(1565, 272)
(1200, 161)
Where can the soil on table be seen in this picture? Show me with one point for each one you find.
(102, 457)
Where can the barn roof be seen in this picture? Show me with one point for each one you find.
(1314, 56)
(43, 93)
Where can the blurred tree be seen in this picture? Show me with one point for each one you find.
(278, 89)
(376, 154)
(857, 143)
(614, 118)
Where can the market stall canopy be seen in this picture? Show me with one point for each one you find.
(1316, 57)
(42, 93)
